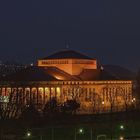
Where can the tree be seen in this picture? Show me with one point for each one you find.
(70, 106)
(126, 99)
(95, 101)
(51, 107)
(9, 109)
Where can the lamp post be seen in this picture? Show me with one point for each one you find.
(121, 138)
(101, 136)
(28, 134)
(121, 127)
(80, 131)
(52, 135)
(91, 134)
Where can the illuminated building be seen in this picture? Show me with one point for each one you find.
(69, 75)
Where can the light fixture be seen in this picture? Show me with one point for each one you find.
(103, 102)
(121, 138)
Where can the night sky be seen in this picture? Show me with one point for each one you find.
(105, 29)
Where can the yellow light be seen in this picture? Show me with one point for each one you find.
(103, 102)
(133, 100)
(28, 134)
(58, 89)
(121, 138)
(81, 131)
(58, 77)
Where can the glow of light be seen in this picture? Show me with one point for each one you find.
(121, 138)
(103, 102)
(81, 130)
(58, 77)
(27, 105)
(28, 134)
(40, 89)
(58, 91)
(121, 127)
(134, 99)
(4, 99)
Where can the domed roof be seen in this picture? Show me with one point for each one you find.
(67, 54)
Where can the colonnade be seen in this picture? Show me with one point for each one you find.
(117, 94)
(89, 97)
(28, 95)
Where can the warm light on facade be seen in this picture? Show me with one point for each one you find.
(59, 77)
(58, 91)
(73, 78)
(103, 102)
(133, 100)
(121, 138)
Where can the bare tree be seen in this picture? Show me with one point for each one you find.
(12, 107)
(96, 102)
(125, 97)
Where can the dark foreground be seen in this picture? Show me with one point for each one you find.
(85, 127)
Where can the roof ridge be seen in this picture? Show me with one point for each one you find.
(63, 72)
(67, 54)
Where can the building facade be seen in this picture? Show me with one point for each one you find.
(68, 75)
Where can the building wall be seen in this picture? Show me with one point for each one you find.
(93, 96)
(71, 66)
(101, 95)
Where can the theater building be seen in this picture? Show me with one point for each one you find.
(68, 75)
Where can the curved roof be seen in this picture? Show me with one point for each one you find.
(67, 54)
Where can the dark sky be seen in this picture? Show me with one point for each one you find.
(106, 29)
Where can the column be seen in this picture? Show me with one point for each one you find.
(37, 97)
(50, 93)
(44, 96)
(0, 91)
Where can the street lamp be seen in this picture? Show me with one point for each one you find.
(81, 131)
(122, 127)
(121, 138)
(28, 134)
